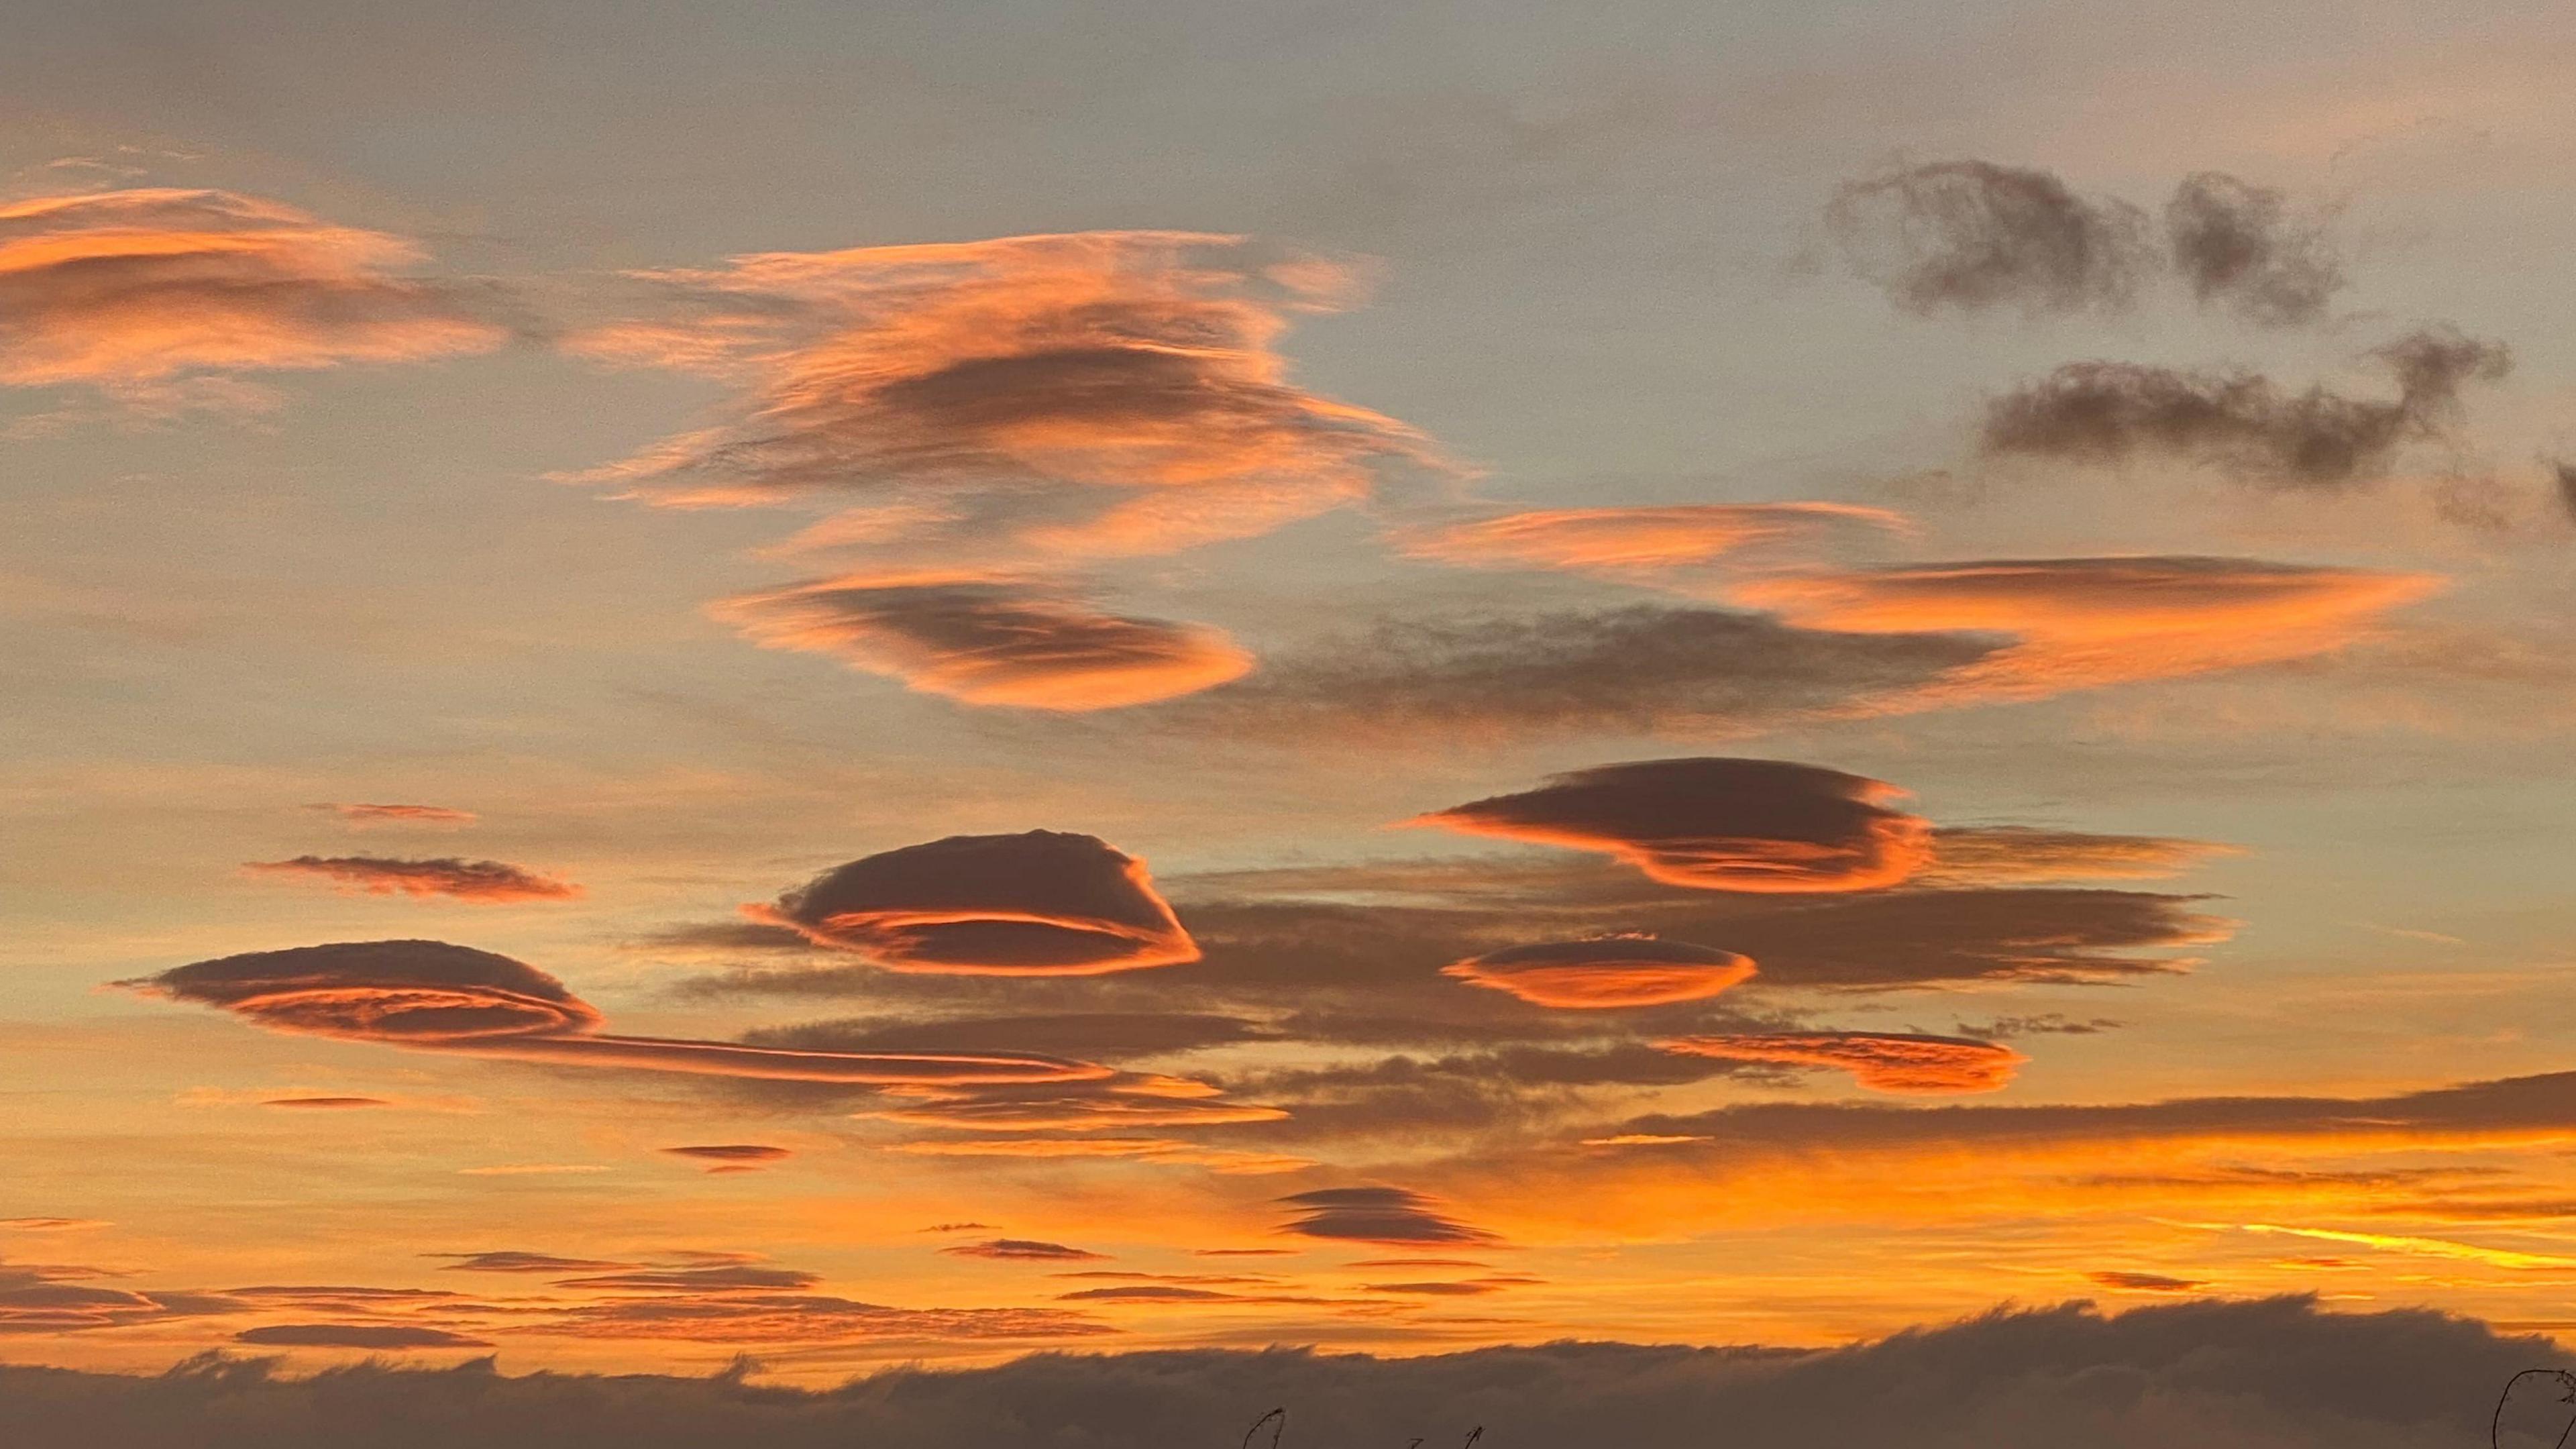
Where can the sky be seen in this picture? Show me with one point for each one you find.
(909, 685)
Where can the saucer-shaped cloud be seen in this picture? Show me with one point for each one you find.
(1716, 823)
(1040, 903)
(435, 995)
(1605, 971)
(120, 288)
(2087, 622)
(492, 881)
(1025, 1250)
(1394, 1215)
(1881, 1061)
(990, 641)
(733, 1156)
(1630, 542)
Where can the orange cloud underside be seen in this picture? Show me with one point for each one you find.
(1885, 1062)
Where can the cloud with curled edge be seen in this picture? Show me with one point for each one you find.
(1396, 1216)
(1099, 393)
(1040, 903)
(2085, 623)
(1970, 235)
(1880, 1061)
(1628, 969)
(369, 814)
(1633, 542)
(125, 290)
(487, 881)
(2241, 422)
(438, 997)
(1024, 1250)
(1716, 823)
(989, 641)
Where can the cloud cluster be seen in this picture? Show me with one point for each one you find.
(130, 289)
(2109, 412)
(1716, 824)
(1880, 1061)
(1040, 903)
(490, 881)
(1628, 969)
(429, 994)
(990, 641)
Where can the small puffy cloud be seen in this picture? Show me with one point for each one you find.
(356, 1335)
(2238, 246)
(1393, 1215)
(1040, 903)
(429, 994)
(1605, 971)
(1971, 235)
(1716, 823)
(367, 814)
(1024, 1250)
(2020, 854)
(130, 289)
(488, 881)
(1881, 1061)
(732, 1156)
(2083, 623)
(990, 641)
(2109, 412)
(1631, 543)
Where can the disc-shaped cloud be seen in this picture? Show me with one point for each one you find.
(1716, 824)
(1640, 542)
(1041, 903)
(990, 641)
(1881, 1061)
(1606, 971)
(1396, 1215)
(453, 998)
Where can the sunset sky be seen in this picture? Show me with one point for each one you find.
(884, 683)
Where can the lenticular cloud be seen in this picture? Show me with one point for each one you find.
(1606, 971)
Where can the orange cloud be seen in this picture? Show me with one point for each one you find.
(489, 881)
(1992, 855)
(2082, 623)
(128, 288)
(1631, 543)
(1606, 971)
(1230, 1161)
(989, 641)
(1110, 392)
(429, 994)
(1881, 1061)
(1716, 824)
(365, 814)
(1041, 903)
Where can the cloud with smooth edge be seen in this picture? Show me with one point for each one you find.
(1605, 972)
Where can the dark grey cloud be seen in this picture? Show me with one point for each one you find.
(2239, 246)
(2109, 412)
(356, 1335)
(450, 876)
(2265, 1374)
(1971, 235)
(2565, 476)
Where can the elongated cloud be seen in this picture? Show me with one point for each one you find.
(1969, 235)
(733, 1156)
(1716, 824)
(368, 814)
(1881, 1061)
(432, 995)
(2238, 246)
(2241, 422)
(356, 1335)
(1109, 392)
(2083, 623)
(990, 641)
(1606, 971)
(1024, 1250)
(126, 288)
(2020, 854)
(1042, 903)
(1394, 1215)
(1227, 1160)
(491, 881)
(1623, 543)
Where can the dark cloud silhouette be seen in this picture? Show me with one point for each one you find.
(733, 1156)
(1027, 1250)
(1971, 235)
(1881, 1061)
(2108, 412)
(2265, 1374)
(1393, 1215)
(130, 289)
(1645, 669)
(464, 880)
(381, 1336)
(1716, 824)
(990, 641)
(2237, 245)
(429, 994)
(1605, 971)
(1042, 903)
(2147, 1282)
(363, 814)
(2565, 476)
